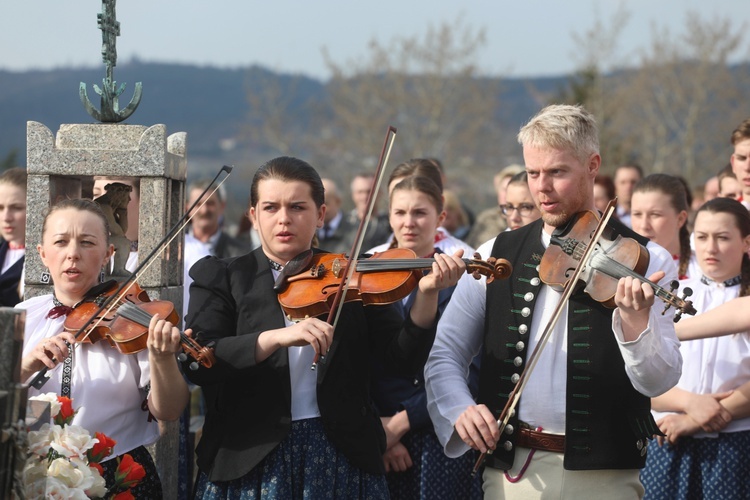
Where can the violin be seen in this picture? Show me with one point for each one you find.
(611, 260)
(125, 326)
(579, 252)
(384, 278)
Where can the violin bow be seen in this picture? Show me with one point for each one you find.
(515, 395)
(112, 300)
(343, 288)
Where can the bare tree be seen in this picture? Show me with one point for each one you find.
(427, 87)
(682, 102)
(275, 112)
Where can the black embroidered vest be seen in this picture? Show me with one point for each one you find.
(606, 420)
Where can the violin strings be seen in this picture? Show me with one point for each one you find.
(143, 318)
(618, 270)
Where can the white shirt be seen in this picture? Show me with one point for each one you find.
(107, 388)
(652, 360)
(303, 379)
(11, 257)
(717, 364)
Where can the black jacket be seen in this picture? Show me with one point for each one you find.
(249, 404)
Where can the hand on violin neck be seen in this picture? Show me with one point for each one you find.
(446, 271)
(163, 339)
(312, 331)
(634, 298)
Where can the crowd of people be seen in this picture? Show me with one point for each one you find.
(531, 385)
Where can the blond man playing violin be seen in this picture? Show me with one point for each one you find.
(108, 388)
(583, 421)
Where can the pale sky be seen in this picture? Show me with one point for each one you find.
(524, 38)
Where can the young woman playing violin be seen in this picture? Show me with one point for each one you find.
(414, 461)
(108, 388)
(706, 417)
(275, 428)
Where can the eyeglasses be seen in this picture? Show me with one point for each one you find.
(524, 209)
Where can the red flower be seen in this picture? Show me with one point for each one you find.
(129, 472)
(66, 413)
(125, 495)
(102, 449)
(98, 467)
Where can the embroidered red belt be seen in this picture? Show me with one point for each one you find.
(544, 441)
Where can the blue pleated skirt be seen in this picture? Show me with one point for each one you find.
(699, 468)
(305, 465)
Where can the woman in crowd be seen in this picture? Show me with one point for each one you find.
(107, 388)
(425, 167)
(604, 191)
(519, 208)
(275, 428)
(659, 211)
(414, 459)
(705, 419)
(13, 230)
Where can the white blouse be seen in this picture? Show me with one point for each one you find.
(717, 364)
(107, 387)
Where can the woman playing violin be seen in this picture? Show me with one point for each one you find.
(583, 420)
(414, 460)
(108, 388)
(275, 428)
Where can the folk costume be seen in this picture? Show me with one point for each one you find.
(278, 429)
(707, 465)
(108, 390)
(589, 394)
(433, 474)
(11, 261)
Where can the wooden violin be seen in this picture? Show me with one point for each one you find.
(580, 253)
(125, 326)
(383, 278)
(611, 260)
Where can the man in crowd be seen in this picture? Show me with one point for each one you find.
(584, 418)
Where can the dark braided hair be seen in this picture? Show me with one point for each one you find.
(742, 220)
(674, 188)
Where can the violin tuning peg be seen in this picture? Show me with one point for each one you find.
(182, 357)
(687, 292)
(677, 316)
(193, 366)
(673, 285)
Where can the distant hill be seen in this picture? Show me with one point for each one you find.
(208, 103)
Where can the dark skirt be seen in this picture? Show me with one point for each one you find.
(304, 465)
(433, 474)
(150, 486)
(699, 468)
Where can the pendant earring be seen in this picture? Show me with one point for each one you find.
(45, 277)
(101, 276)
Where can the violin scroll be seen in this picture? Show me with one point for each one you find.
(493, 268)
(202, 355)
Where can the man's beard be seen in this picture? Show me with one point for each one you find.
(555, 220)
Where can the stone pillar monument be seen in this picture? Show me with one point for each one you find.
(64, 166)
(13, 442)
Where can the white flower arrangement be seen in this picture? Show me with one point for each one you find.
(63, 459)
